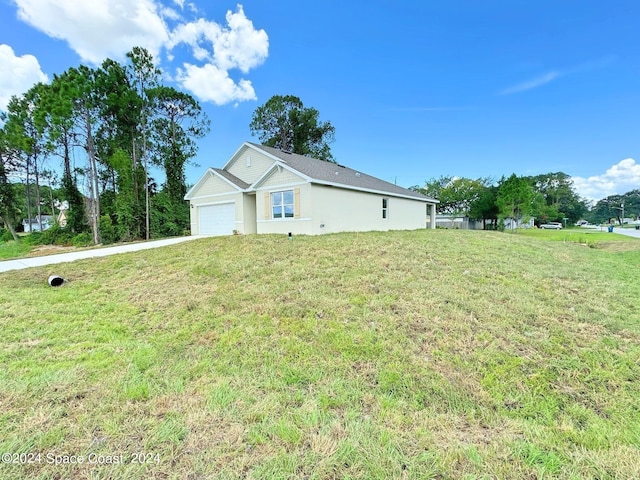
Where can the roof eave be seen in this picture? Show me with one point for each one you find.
(377, 192)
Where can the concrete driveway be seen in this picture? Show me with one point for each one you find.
(21, 263)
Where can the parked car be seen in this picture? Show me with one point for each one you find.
(552, 226)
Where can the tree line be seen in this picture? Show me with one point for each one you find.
(547, 197)
(102, 129)
(612, 208)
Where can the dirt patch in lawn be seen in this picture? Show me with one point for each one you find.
(43, 250)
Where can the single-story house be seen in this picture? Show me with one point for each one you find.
(265, 190)
(514, 223)
(460, 222)
(33, 224)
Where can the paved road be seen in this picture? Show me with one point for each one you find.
(629, 231)
(21, 263)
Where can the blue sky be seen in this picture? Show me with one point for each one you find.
(415, 89)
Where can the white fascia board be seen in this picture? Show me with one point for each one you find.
(377, 192)
(279, 164)
(278, 187)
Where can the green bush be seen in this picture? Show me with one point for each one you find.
(5, 235)
(83, 239)
(108, 233)
(34, 238)
(56, 235)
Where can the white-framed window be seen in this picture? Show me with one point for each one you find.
(282, 204)
(385, 208)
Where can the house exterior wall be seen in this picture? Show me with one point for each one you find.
(300, 224)
(324, 209)
(249, 215)
(342, 210)
(250, 171)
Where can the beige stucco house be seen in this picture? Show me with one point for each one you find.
(266, 190)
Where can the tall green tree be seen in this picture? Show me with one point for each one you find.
(119, 131)
(484, 207)
(457, 195)
(610, 208)
(85, 117)
(125, 202)
(178, 120)
(145, 76)
(57, 115)
(284, 122)
(24, 133)
(515, 199)
(434, 188)
(558, 198)
(8, 212)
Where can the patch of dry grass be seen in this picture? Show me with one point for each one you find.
(428, 354)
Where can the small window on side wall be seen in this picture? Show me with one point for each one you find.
(385, 208)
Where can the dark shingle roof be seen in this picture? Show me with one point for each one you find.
(232, 178)
(321, 171)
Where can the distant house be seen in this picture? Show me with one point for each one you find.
(265, 190)
(62, 218)
(33, 225)
(512, 223)
(459, 222)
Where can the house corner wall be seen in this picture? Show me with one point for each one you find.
(343, 210)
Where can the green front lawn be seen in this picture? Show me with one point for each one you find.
(426, 354)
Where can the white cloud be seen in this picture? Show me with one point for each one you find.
(170, 13)
(220, 49)
(103, 29)
(554, 74)
(98, 29)
(239, 45)
(621, 178)
(195, 34)
(17, 74)
(530, 84)
(211, 84)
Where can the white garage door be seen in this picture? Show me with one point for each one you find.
(217, 219)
